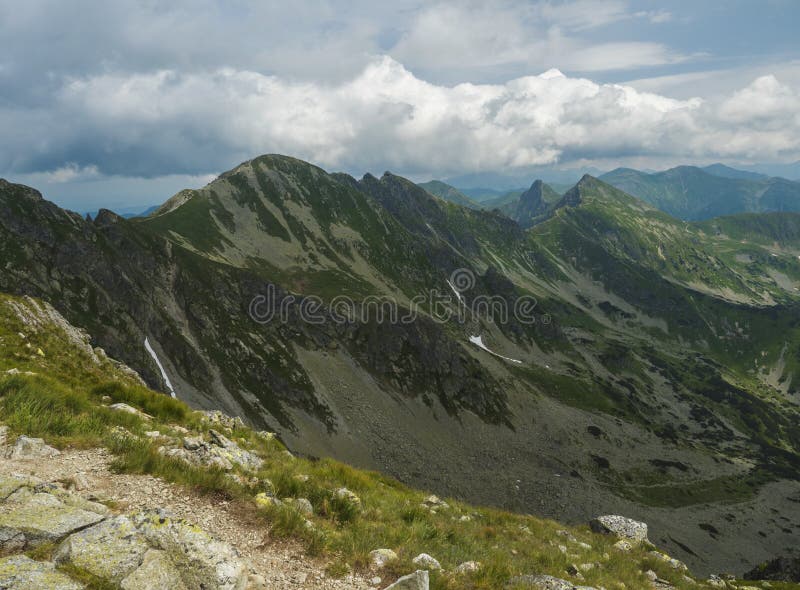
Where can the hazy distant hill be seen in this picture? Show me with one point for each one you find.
(692, 193)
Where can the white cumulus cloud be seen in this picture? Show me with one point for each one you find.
(386, 117)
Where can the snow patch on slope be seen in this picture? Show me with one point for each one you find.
(478, 341)
(160, 367)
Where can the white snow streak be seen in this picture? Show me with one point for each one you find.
(478, 341)
(160, 366)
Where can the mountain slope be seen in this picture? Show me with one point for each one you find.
(728, 172)
(141, 451)
(651, 370)
(692, 193)
(451, 194)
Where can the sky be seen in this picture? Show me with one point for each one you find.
(123, 103)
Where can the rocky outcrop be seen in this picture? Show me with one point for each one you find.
(29, 518)
(132, 550)
(625, 528)
(217, 451)
(18, 572)
(145, 550)
(30, 448)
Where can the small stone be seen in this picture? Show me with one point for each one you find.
(257, 582)
(345, 494)
(303, 505)
(122, 407)
(80, 482)
(264, 500)
(425, 560)
(380, 557)
(467, 567)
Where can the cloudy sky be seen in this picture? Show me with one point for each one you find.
(115, 103)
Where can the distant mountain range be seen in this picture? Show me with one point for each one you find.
(127, 212)
(686, 192)
(694, 193)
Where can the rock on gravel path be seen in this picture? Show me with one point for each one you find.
(275, 564)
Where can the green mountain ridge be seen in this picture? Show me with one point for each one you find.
(657, 380)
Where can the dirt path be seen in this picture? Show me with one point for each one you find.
(281, 564)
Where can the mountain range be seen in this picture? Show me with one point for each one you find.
(653, 371)
(686, 192)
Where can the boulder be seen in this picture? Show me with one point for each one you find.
(111, 550)
(151, 550)
(30, 448)
(419, 580)
(28, 519)
(380, 557)
(620, 526)
(202, 560)
(157, 572)
(19, 572)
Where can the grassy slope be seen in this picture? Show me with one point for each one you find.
(63, 402)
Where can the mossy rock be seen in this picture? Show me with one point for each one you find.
(19, 572)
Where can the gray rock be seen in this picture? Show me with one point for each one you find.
(380, 557)
(28, 519)
(620, 526)
(425, 560)
(3, 435)
(149, 550)
(219, 452)
(202, 560)
(19, 572)
(121, 407)
(419, 580)
(31, 448)
(111, 550)
(157, 572)
(9, 485)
